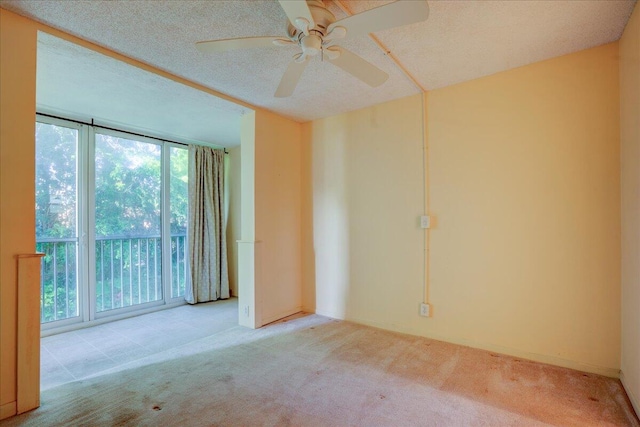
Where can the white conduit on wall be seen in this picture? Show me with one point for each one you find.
(425, 159)
(425, 147)
(384, 49)
(425, 180)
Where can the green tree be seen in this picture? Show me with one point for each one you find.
(56, 186)
(179, 177)
(128, 184)
(127, 205)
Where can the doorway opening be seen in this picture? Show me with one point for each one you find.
(112, 209)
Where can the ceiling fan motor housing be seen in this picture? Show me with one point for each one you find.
(312, 44)
(311, 41)
(322, 17)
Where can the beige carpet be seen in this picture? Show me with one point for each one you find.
(314, 371)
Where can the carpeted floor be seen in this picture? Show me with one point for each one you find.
(313, 371)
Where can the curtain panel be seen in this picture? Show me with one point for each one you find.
(207, 239)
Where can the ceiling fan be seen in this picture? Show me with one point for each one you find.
(315, 30)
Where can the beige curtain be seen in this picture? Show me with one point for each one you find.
(207, 240)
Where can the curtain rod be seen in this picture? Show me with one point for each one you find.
(117, 130)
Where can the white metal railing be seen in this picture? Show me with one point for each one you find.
(128, 272)
(58, 278)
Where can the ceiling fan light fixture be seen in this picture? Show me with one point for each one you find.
(311, 44)
(283, 42)
(336, 33)
(302, 24)
(332, 53)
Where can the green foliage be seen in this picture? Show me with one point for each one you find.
(59, 299)
(128, 186)
(55, 181)
(179, 180)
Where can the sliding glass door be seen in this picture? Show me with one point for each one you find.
(127, 225)
(111, 213)
(57, 219)
(179, 178)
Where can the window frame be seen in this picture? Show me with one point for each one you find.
(85, 226)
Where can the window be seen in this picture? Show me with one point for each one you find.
(57, 221)
(111, 218)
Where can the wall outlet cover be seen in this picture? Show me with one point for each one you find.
(425, 310)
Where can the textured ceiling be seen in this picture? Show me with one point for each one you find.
(460, 41)
(81, 84)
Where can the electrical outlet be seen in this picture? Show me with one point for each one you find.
(425, 221)
(246, 311)
(425, 310)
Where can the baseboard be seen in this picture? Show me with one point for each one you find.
(632, 397)
(8, 410)
(280, 315)
(306, 309)
(542, 358)
(334, 316)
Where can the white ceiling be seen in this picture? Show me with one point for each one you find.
(81, 84)
(461, 40)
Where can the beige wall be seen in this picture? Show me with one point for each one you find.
(524, 187)
(630, 168)
(270, 249)
(308, 255)
(233, 176)
(278, 215)
(249, 309)
(367, 186)
(17, 186)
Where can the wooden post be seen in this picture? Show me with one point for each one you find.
(28, 333)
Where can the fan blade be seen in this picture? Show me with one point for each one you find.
(358, 67)
(402, 12)
(239, 43)
(297, 9)
(291, 78)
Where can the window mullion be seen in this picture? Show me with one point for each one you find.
(166, 223)
(90, 299)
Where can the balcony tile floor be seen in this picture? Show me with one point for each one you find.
(83, 353)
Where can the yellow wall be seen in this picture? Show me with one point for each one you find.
(269, 253)
(367, 196)
(278, 215)
(17, 185)
(233, 220)
(630, 165)
(524, 187)
(308, 273)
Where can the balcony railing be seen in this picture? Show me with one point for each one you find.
(128, 271)
(58, 279)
